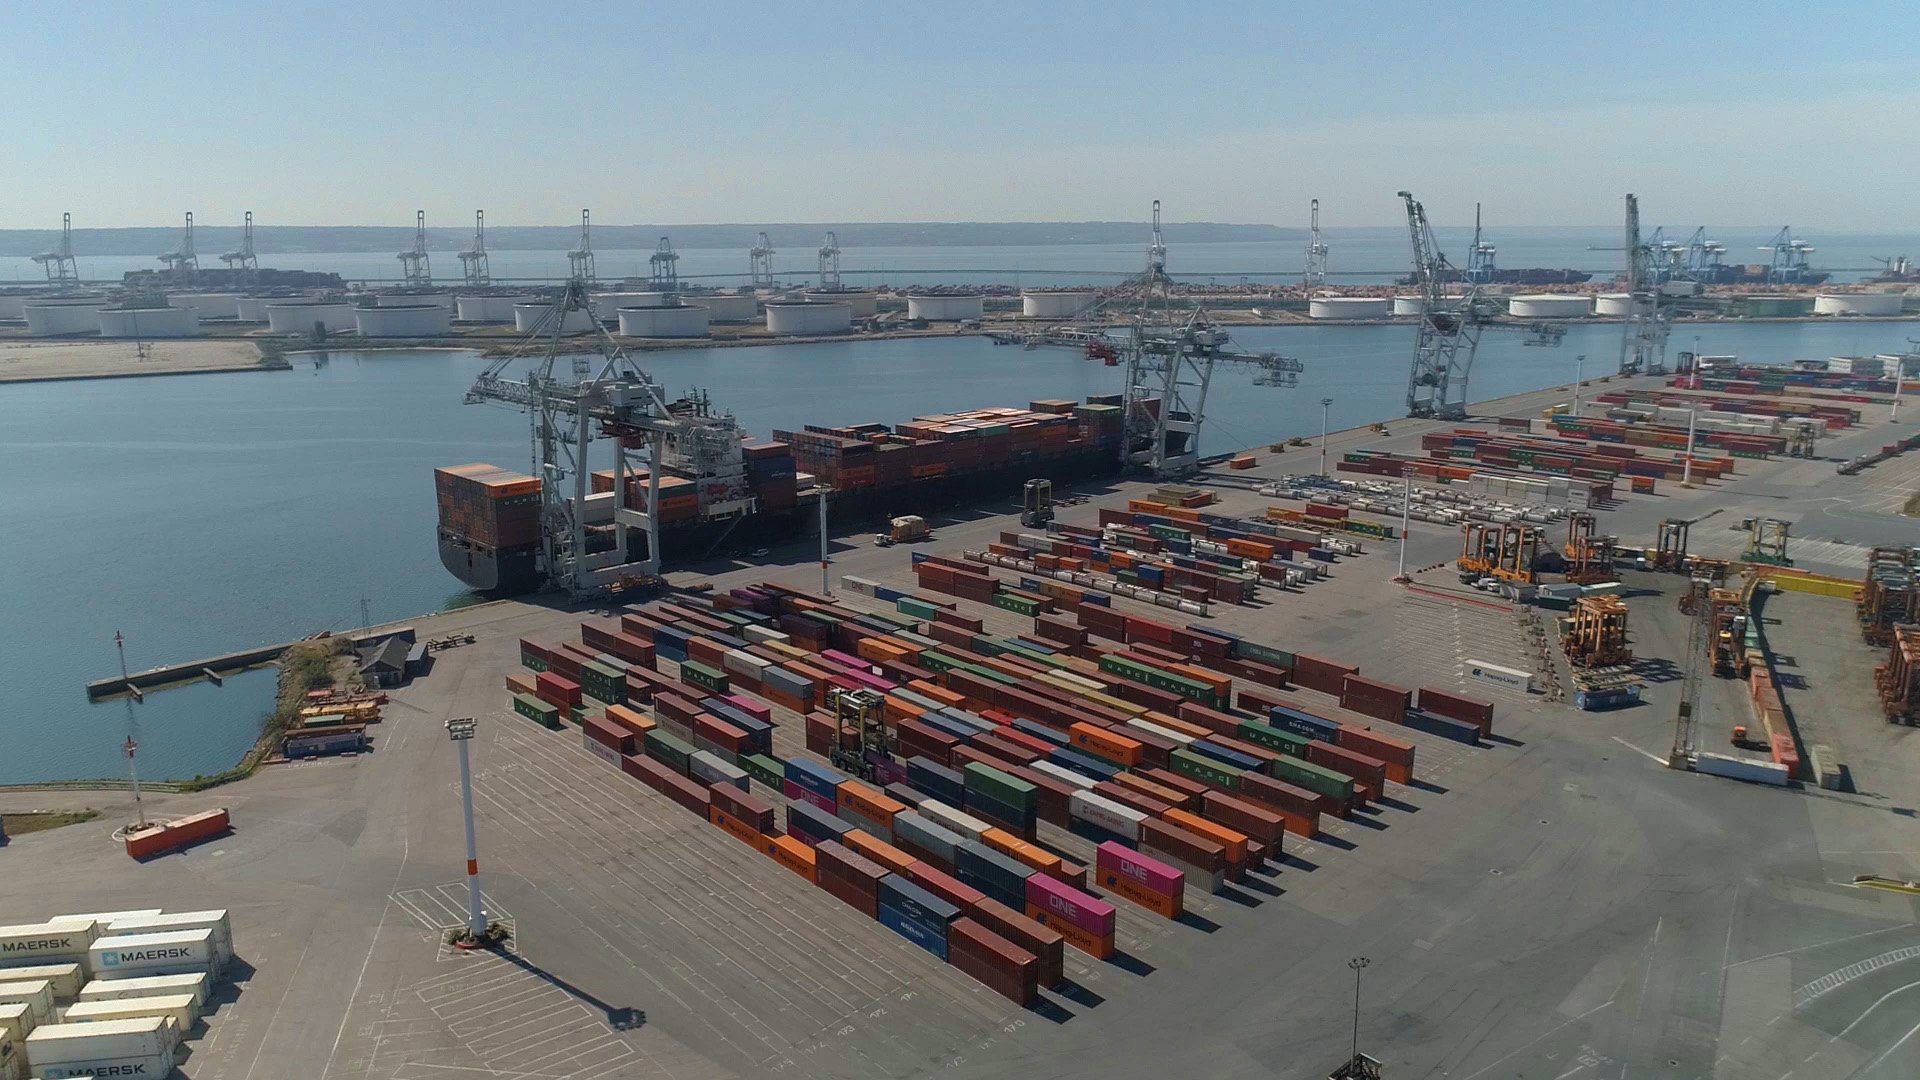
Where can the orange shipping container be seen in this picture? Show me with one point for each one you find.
(1234, 842)
(878, 850)
(794, 855)
(1013, 847)
(1107, 744)
(1100, 948)
(632, 720)
(737, 829)
(868, 802)
(938, 693)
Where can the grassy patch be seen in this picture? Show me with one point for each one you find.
(318, 664)
(1912, 508)
(22, 824)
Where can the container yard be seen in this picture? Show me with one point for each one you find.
(1026, 796)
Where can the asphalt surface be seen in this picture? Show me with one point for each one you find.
(1556, 904)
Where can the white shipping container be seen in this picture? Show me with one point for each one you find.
(46, 943)
(16, 1019)
(1738, 768)
(863, 586)
(144, 1046)
(1206, 881)
(36, 995)
(1154, 729)
(708, 768)
(179, 1006)
(197, 983)
(124, 956)
(1511, 678)
(66, 977)
(745, 663)
(107, 918)
(215, 919)
(953, 820)
(13, 1058)
(1104, 812)
(1061, 772)
(760, 635)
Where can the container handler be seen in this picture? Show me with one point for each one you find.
(1036, 503)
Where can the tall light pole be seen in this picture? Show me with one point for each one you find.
(133, 772)
(1686, 469)
(1900, 376)
(1324, 403)
(139, 808)
(826, 585)
(1406, 519)
(1578, 362)
(1358, 964)
(460, 729)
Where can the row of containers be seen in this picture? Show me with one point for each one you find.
(1829, 386)
(873, 455)
(1547, 459)
(109, 993)
(984, 737)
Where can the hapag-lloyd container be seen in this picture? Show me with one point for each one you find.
(1103, 812)
(1090, 914)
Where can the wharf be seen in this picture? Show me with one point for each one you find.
(214, 667)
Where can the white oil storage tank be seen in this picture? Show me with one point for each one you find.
(800, 317)
(1616, 303)
(528, 316)
(150, 322)
(49, 318)
(728, 307)
(1548, 306)
(683, 321)
(253, 309)
(414, 299)
(488, 309)
(1409, 305)
(946, 307)
(300, 316)
(13, 305)
(208, 305)
(1853, 304)
(1349, 307)
(864, 303)
(607, 303)
(1055, 303)
(408, 320)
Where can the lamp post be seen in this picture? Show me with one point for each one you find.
(826, 586)
(460, 730)
(132, 747)
(1324, 403)
(1578, 362)
(1406, 520)
(1686, 469)
(1358, 964)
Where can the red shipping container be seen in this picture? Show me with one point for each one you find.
(1395, 753)
(993, 961)
(1300, 807)
(1455, 707)
(1322, 675)
(1157, 792)
(1369, 773)
(1046, 944)
(852, 878)
(1376, 699)
(1258, 822)
(713, 729)
(557, 690)
(943, 885)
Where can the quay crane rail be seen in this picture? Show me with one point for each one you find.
(602, 395)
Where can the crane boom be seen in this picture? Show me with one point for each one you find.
(1448, 333)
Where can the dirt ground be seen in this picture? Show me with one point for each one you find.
(29, 361)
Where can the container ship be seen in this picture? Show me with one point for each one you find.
(489, 518)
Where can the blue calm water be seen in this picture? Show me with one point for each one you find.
(203, 513)
(1369, 255)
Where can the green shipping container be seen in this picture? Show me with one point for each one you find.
(1312, 777)
(701, 675)
(669, 750)
(1018, 604)
(919, 609)
(1286, 742)
(1264, 654)
(768, 771)
(540, 712)
(1206, 770)
(603, 683)
(1001, 786)
(532, 662)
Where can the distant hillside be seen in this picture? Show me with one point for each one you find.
(210, 240)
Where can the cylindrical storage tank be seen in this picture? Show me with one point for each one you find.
(800, 317)
(946, 308)
(14, 305)
(1349, 307)
(609, 303)
(1409, 305)
(1777, 307)
(1548, 306)
(1055, 303)
(728, 307)
(687, 321)
(862, 303)
(527, 316)
(488, 309)
(208, 305)
(1615, 303)
(51, 317)
(253, 309)
(1857, 304)
(164, 322)
(411, 320)
(299, 316)
(414, 299)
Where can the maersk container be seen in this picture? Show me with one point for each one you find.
(1738, 768)
(1122, 821)
(35, 994)
(107, 918)
(143, 1046)
(1444, 726)
(67, 978)
(196, 983)
(46, 943)
(181, 1007)
(152, 954)
(16, 1020)
(215, 919)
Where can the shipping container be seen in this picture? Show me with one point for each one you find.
(145, 1046)
(171, 953)
(35, 994)
(41, 943)
(181, 1007)
(67, 978)
(196, 983)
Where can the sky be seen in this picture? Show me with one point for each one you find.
(356, 113)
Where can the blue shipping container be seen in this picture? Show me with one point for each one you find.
(817, 779)
(929, 936)
(1444, 726)
(1041, 731)
(817, 823)
(1287, 718)
(1084, 764)
(1222, 754)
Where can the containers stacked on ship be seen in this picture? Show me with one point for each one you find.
(489, 527)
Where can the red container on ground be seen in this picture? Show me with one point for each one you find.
(993, 961)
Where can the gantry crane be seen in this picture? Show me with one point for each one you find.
(1317, 251)
(182, 263)
(1589, 556)
(663, 267)
(830, 262)
(58, 263)
(760, 262)
(580, 259)
(1787, 264)
(243, 264)
(1481, 256)
(1643, 338)
(1170, 357)
(1699, 648)
(1449, 326)
(416, 268)
(473, 261)
(606, 398)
